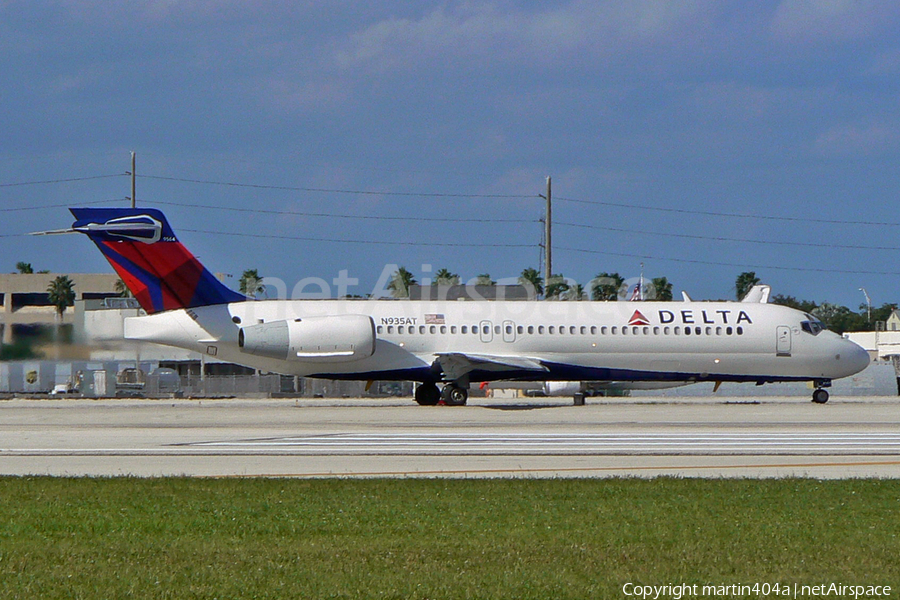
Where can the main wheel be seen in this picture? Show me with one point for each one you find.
(820, 396)
(427, 394)
(453, 395)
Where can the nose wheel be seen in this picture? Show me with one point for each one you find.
(820, 396)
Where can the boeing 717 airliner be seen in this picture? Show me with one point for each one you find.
(457, 343)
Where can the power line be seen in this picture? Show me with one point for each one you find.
(339, 241)
(65, 205)
(343, 216)
(726, 239)
(731, 215)
(334, 191)
(719, 264)
(23, 183)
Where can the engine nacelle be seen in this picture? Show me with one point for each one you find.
(341, 338)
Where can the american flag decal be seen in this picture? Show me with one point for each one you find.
(434, 319)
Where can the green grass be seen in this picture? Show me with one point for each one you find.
(272, 538)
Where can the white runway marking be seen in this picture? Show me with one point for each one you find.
(885, 443)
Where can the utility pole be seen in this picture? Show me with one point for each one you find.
(548, 268)
(133, 199)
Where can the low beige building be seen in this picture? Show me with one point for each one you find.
(25, 300)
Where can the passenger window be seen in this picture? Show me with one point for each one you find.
(709, 331)
(718, 331)
(390, 329)
(624, 331)
(540, 329)
(421, 329)
(687, 330)
(740, 331)
(593, 330)
(583, 330)
(453, 329)
(614, 330)
(432, 329)
(443, 329)
(656, 331)
(531, 329)
(496, 329)
(464, 329)
(380, 329)
(697, 330)
(486, 330)
(520, 330)
(646, 330)
(572, 330)
(551, 329)
(509, 329)
(729, 331)
(603, 330)
(401, 329)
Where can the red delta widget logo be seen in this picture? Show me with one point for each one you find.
(691, 317)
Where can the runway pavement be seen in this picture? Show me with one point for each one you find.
(696, 437)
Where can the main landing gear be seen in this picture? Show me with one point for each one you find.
(427, 394)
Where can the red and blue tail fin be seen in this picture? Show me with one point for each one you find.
(142, 248)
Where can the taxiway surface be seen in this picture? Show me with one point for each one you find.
(699, 437)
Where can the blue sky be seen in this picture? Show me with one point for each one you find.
(702, 138)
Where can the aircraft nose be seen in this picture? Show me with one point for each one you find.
(854, 357)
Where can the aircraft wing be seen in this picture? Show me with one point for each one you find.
(457, 364)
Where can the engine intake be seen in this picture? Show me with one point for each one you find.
(341, 338)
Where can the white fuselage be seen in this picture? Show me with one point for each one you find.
(632, 341)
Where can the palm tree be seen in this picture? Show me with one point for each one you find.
(556, 286)
(24, 268)
(251, 283)
(61, 293)
(445, 277)
(606, 286)
(575, 292)
(484, 279)
(662, 289)
(744, 282)
(400, 282)
(532, 280)
(122, 289)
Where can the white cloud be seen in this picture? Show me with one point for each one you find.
(495, 32)
(822, 21)
(864, 139)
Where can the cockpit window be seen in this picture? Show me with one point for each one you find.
(812, 325)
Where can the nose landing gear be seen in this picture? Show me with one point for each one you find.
(820, 396)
